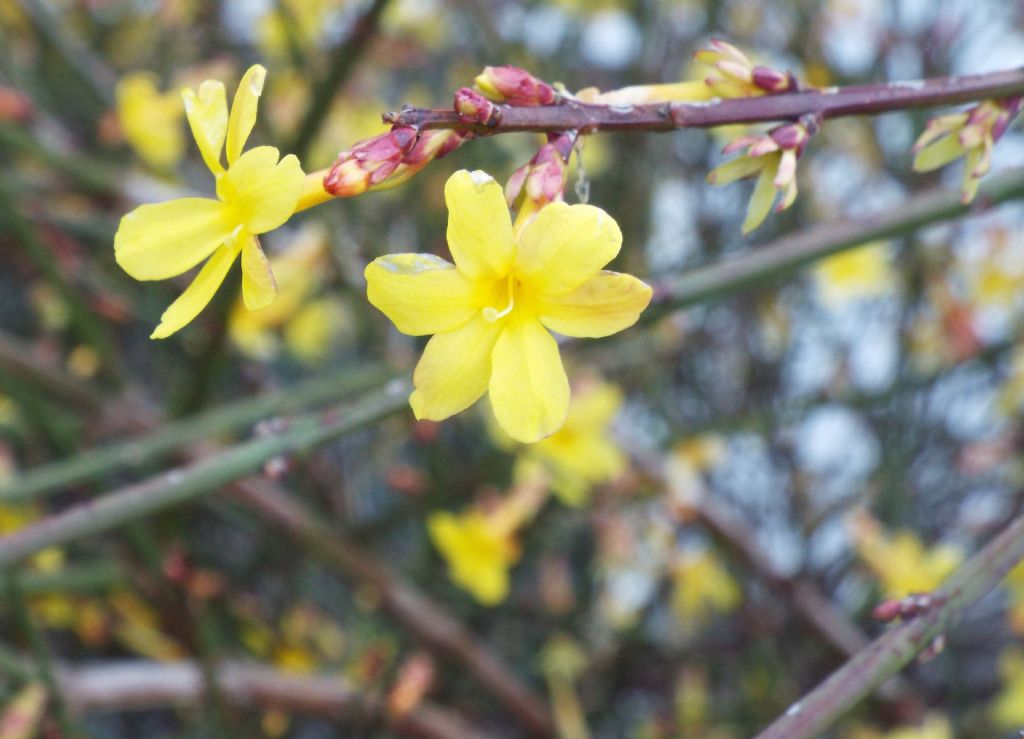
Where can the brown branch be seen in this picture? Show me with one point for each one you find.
(827, 103)
(140, 684)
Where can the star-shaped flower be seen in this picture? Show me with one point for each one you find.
(256, 193)
(492, 310)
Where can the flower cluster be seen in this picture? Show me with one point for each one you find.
(971, 134)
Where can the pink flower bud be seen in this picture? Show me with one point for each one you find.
(474, 108)
(369, 162)
(772, 80)
(515, 86)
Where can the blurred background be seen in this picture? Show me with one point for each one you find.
(850, 430)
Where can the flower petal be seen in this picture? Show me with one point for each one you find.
(479, 225)
(566, 245)
(603, 305)
(161, 240)
(735, 169)
(258, 286)
(938, 154)
(454, 370)
(529, 390)
(243, 110)
(761, 200)
(262, 190)
(198, 294)
(207, 114)
(420, 293)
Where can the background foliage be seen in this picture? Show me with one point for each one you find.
(859, 420)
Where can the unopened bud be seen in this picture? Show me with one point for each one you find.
(369, 162)
(542, 179)
(474, 108)
(514, 86)
(772, 80)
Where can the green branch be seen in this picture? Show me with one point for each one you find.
(784, 255)
(225, 419)
(182, 484)
(820, 708)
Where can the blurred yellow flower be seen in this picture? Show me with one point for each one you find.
(1015, 593)
(308, 325)
(293, 22)
(582, 453)
(900, 561)
(1008, 706)
(702, 587)
(491, 311)
(150, 119)
(861, 272)
(255, 194)
(479, 551)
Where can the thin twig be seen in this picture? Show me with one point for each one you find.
(206, 475)
(137, 453)
(140, 684)
(823, 706)
(788, 253)
(571, 115)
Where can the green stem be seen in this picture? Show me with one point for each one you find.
(788, 253)
(138, 453)
(208, 474)
(823, 706)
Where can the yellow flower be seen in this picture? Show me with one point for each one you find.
(479, 550)
(150, 120)
(702, 587)
(581, 454)
(490, 312)
(901, 561)
(859, 272)
(255, 194)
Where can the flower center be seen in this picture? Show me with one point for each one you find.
(493, 314)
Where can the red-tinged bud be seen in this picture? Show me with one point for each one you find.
(515, 86)
(430, 146)
(886, 611)
(542, 180)
(369, 162)
(14, 106)
(772, 80)
(474, 108)
(1010, 107)
(789, 136)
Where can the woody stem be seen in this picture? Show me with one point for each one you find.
(567, 115)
